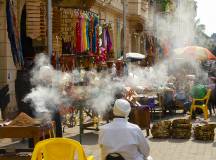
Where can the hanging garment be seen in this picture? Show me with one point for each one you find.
(82, 33)
(87, 32)
(118, 43)
(84, 38)
(13, 35)
(94, 37)
(97, 41)
(78, 35)
(104, 38)
(109, 41)
(91, 30)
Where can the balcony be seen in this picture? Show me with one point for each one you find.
(138, 8)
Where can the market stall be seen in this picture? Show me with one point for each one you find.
(21, 127)
(24, 126)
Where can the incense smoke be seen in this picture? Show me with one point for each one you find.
(54, 88)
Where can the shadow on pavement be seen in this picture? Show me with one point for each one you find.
(178, 140)
(212, 118)
(18, 144)
(158, 139)
(87, 138)
(202, 142)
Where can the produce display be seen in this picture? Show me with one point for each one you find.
(22, 120)
(181, 129)
(204, 132)
(161, 129)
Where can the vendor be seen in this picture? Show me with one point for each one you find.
(121, 137)
(198, 91)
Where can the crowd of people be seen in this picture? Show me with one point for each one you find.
(183, 89)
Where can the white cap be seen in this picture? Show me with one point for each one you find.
(121, 108)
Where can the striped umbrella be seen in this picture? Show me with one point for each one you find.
(199, 53)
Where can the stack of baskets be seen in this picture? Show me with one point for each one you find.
(205, 132)
(161, 129)
(181, 129)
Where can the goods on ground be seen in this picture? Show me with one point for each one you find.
(204, 132)
(161, 129)
(22, 120)
(181, 129)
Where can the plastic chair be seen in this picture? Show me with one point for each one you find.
(59, 149)
(203, 106)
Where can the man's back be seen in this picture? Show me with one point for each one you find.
(198, 91)
(124, 138)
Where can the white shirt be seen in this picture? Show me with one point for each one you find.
(124, 138)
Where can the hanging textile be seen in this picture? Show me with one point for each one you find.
(106, 39)
(80, 29)
(78, 35)
(13, 35)
(109, 41)
(94, 37)
(118, 39)
(87, 31)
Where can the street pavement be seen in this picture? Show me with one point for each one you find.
(161, 149)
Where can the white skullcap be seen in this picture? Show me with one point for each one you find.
(66, 79)
(46, 73)
(121, 108)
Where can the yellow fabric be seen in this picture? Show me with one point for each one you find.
(59, 149)
(204, 106)
(84, 33)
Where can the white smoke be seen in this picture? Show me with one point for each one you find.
(53, 88)
(176, 27)
(44, 98)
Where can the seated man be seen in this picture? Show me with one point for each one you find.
(122, 137)
(198, 91)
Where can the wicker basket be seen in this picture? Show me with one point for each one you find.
(205, 132)
(161, 129)
(181, 129)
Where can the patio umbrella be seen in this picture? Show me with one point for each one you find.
(199, 53)
(131, 55)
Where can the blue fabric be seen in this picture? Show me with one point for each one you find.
(187, 106)
(151, 103)
(94, 38)
(180, 96)
(87, 32)
(13, 35)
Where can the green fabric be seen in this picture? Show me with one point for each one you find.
(198, 91)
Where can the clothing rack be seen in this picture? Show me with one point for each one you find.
(79, 10)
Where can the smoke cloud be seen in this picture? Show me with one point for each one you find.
(54, 88)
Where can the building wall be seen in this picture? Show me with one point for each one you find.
(112, 13)
(7, 67)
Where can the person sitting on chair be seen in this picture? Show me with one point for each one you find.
(121, 137)
(198, 91)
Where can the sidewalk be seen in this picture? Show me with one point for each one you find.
(161, 149)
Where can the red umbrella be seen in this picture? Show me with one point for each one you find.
(197, 52)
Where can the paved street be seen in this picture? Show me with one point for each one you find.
(161, 149)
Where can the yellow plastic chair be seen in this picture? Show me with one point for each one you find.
(59, 149)
(203, 106)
